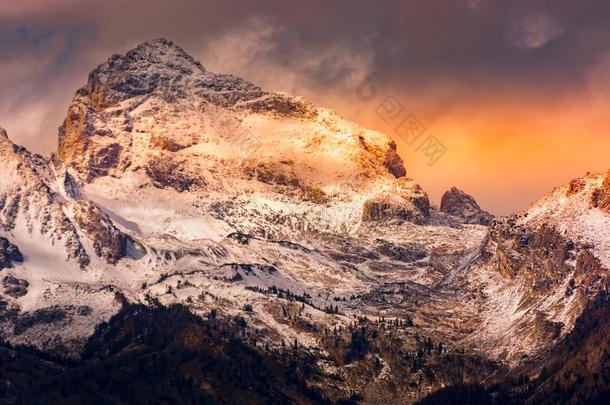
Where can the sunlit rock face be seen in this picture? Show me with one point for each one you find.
(158, 115)
(102, 122)
(406, 202)
(157, 98)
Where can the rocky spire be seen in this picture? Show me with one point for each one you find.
(457, 203)
(4, 136)
(159, 67)
(164, 51)
(5, 141)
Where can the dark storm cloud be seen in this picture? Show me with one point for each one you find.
(436, 49)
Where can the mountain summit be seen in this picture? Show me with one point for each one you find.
(156, 117)
(127, 102)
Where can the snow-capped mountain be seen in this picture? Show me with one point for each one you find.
(155, 117)
(175, 185)
(579, 210)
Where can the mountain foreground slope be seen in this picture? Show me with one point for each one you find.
(188, 216)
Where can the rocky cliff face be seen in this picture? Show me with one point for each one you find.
(173, 185)
(30, 201)
(457, 203)
(577, 211)
(156, 98)
(154, 116)
(96, 136)
(406, 202)
(9, 253)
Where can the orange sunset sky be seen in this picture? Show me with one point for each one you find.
(509, 155)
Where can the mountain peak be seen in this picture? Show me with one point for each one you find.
(158, 99)
(160, 68)
(164, 52)
(462, 205)
(160, 43)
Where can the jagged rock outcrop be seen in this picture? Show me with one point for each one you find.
(9, 254)
(461, 205)
(283, 105)
(536, 296)
(166, 171)
(600, 198)
(109, 243)
(506, 265)
(15, 287)
(394, 162)
(542, 252)
(407, 202)
(29, 198)
(577, 210)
